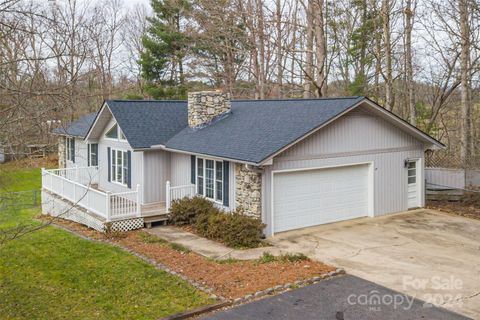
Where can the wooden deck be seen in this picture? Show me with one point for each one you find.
(153, 213)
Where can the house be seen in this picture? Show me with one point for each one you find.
(293, 163)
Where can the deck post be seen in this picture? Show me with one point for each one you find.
(43, 177)
(167, 197)
(108, 206)
(138, 201)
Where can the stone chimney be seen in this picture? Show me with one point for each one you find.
(204, 106)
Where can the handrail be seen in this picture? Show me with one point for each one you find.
(122, 206)
(187, 191)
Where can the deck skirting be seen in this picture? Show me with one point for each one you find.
(56, 206)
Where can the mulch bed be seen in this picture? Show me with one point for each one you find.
(464, 209)
(229, 279)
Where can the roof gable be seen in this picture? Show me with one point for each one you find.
(145, 123)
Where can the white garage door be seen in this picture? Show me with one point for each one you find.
(313, 197)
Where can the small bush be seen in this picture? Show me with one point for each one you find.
(185, 211)
(242, 231)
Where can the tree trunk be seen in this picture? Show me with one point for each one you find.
(320, 47)
(261, 44)
(409, 16)
(278, 22)
(309, 52)
(386, 8)
(465, 80)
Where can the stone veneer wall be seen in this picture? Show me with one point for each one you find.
(203, 106)
(248, 190)
(62, 163)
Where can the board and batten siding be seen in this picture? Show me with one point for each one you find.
(81, 154)
(355, 138)
(156, 173)
(136, 165)
(180, 175)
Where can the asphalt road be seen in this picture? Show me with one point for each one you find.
(340, 298)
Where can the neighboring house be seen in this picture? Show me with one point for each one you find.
(292, 163)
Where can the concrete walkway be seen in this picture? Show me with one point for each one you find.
(208, 248)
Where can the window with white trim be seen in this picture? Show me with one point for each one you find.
(210, 179)
(70, 149)
(119, 166)
(115, 133)
(93, 154)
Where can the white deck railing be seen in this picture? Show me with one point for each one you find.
(111, 206)
(83, 175)
(179, 192)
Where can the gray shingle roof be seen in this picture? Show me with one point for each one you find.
(77, 128)
(256, 129)
(149, 122)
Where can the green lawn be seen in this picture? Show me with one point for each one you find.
(52, 274)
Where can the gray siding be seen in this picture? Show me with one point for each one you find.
(180, 169)
(81, 154)
(156, 173)
(137, 164)
(354, 138)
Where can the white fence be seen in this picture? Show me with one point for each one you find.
(111, 206)
(179, 192)
(445, 178)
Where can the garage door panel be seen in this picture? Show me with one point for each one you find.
(312, 197)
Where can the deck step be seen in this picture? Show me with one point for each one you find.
(163, 218)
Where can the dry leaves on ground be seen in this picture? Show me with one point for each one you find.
(456, 207)
(230, 279)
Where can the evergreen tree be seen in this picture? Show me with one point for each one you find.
(166, 45)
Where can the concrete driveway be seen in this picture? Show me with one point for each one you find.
(426, 254)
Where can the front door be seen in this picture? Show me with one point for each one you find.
(413, 183)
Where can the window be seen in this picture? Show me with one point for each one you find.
(119, 166)
(115, 133)
(71, 149)
(210, 179)
(112, 133)
(412, 172)
(200, 176)
(93, 154)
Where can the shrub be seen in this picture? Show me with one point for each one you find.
(242, 231)
(185, 211)
(235, 229)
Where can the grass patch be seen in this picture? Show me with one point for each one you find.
(150, 238)
(179, 247)
(289, 257)
(52, 274)
(226, 261)
(20, 179)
